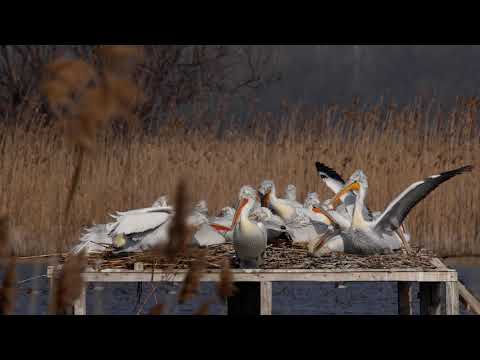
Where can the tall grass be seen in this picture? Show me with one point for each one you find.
(394, 146)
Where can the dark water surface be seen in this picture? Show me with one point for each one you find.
(288, 298)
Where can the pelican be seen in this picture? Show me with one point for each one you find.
(375, 236)
(291, 192)
(285, 208)
(96, 239)
(249, 237)
(142, 229)
(344, 200)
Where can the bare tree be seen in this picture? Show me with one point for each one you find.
(171, 75)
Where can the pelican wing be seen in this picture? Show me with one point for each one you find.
(143, 211)
(398, 209)
(330, 177)
(139, 223)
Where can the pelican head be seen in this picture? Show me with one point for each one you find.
(357, 181)
(246, 204)
(266, 189)
(162, 201)
(247, 191)
(359, 177)
(226, 211)
(202, 207)
(291, 192)
(311, 200)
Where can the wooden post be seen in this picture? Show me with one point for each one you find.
(246, 300)
(469, 300)
(430, 298)
(452, 305)
(404, 298)
(80, 305)
(266, 298)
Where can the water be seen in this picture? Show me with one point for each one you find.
(288, 298)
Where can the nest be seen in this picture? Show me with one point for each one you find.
(277, 256)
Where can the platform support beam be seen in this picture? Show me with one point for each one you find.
(452, 301)
(404, 298)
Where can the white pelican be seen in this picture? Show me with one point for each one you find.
(249, 238)
(142, 229)
(344, 200)
(284, 208)
(375, 236)
(291, 192)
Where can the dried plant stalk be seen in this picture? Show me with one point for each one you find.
(191, 284)
(7, 292)
(179, 231)
(225, 287)
(203, 309)
(157, 310)
(5, 246)
(68, 284)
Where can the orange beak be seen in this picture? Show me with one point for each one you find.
(239, 211)
(324, 213)
(266, 199)
(338, 198)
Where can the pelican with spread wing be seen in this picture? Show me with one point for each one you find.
(375, 236)
(344, 203)
(142, 229)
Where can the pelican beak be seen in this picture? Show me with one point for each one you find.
(265, 199)
(355, 186)
(220, 228)
(239, 211)
(319, 210)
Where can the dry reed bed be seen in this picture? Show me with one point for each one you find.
(394, 146)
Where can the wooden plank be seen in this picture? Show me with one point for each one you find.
(404, 298)
(246, 300)
(266, 298)
(470, 301)
(452, 305)
(285, 271)
(430, 298)
(80, 305)
(213, 276)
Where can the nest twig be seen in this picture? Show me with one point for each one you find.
(282, 256)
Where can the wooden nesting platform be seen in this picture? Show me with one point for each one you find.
(284, 263)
